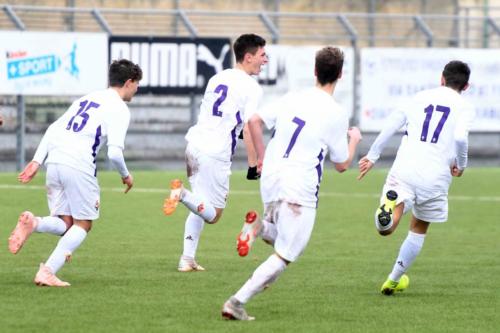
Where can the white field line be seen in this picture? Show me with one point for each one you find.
(239, 192)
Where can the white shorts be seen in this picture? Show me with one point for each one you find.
(209, 176)
(428, 206)
(294, 224)
(72, 192)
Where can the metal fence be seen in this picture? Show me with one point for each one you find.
(470, 28)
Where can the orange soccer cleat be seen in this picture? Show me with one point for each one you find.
(25, 225)
(170, 203)
(251, 229)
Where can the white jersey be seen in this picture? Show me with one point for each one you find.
(231, 97)
(436, 121)
(307, 125)
(76, 137)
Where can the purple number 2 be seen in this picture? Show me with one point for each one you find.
(215, 109)
(84, 107)
(428, 115)
(300, 124)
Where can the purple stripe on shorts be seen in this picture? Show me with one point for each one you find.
(97, 142)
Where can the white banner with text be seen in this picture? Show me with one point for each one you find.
(292, 68)
(391, 75)
(45, 63)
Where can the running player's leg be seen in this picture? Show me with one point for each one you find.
(294, 229)
(431, 207)
(29, 223)
(82, 193)
(202, 172)
(411, 247)
(210, 181)
(396, 199)
(254, 226)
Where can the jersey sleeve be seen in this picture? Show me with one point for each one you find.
(115, 155)
(43, 148)
(337, 139)
(394, 122)
(461, 136)
(117, 121)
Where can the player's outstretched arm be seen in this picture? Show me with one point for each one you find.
(354, 139)
(115, 155)
(29, 172)
(252, 173)
(255, 125)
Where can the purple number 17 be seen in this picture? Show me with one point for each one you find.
(428, 115)
(300, 124)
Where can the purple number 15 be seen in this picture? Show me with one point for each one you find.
(82, 112)
(428, 115)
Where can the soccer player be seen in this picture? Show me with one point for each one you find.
(433, 149)
(307, 125)
(231, 97)
(69, 148)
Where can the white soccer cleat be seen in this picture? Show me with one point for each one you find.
(187, 264)
(234, 310)
(45, 277)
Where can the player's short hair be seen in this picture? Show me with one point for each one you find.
(247, 43)
(122, 70)
(456, 74)
(328, 65)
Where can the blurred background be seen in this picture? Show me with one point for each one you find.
(55, 51)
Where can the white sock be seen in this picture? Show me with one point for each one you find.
(264, 275)
(268, 232)
(192, 231)
(66, 245)
(51, 224)
(198, 206)
(407, 253)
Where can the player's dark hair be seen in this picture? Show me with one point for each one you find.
(247, 43)
(328, 65)
(456, 74)
(122, 70)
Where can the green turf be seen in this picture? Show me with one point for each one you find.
(124, 276)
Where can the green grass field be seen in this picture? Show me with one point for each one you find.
(124, 276)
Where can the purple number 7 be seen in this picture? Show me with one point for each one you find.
(428, 115)
(300, 124)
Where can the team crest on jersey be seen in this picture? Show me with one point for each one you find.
(200, 208)
(97, 205)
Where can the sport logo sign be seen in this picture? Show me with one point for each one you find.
(20, 65)
(173, 65)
